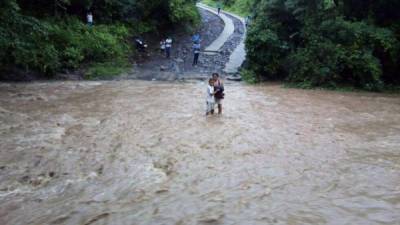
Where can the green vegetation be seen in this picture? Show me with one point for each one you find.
(326, 43)
(106, 70)
(239, 7)
(248, 76)
(49, 37)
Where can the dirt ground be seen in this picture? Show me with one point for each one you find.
(141, 152)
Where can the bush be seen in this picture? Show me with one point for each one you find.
(183, 11)
(24, 41)
(52, 45)
(106, 70)
(48, 37)
(266, 52)
(249, 76)
(341, 52)
(328, 65)
(315, 65)
(310, 43)
(81, 43)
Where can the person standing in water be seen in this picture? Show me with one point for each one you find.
(210, 97)
(219, 91)
(168, 46)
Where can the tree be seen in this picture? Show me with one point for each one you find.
(325, 43)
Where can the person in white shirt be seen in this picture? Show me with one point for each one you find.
(162, 46)
(168, 45)
(89, 18)
(210, 97)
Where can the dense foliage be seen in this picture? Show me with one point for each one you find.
(50, 36)
(240, 7)
(325, 43)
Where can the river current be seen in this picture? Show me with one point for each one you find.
(141, 152)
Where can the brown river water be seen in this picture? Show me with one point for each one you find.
(141, 152)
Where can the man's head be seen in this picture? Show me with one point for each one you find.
(215, 76)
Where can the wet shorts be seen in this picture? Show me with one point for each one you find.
(210, 106)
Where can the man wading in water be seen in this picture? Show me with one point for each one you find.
(219, 91)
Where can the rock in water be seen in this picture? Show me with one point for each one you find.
(234, 78)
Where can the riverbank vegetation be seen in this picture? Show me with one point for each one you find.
(51, 37)
(239, 7)
(325, 43)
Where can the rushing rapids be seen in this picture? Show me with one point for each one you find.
(141, 152)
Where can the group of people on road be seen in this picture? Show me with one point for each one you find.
(166, 45)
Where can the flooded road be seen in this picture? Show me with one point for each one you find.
(138, 152)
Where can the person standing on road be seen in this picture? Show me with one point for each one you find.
(219, 91)
(196, 53)
(247, 21)
(219, 6)
(162, 46)
(168, 45)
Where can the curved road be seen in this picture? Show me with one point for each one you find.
(238, 56)
(223, 48)
(229, 28)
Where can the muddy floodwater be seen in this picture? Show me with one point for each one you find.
(143, 153)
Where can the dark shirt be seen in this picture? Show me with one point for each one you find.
(219, 88)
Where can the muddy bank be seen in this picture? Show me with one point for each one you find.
(137, 152)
